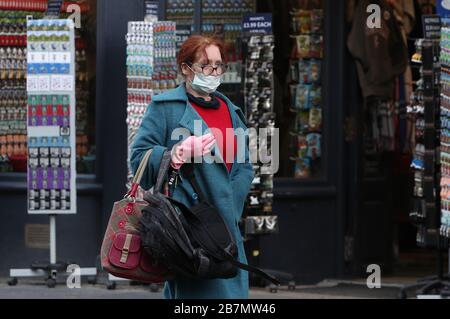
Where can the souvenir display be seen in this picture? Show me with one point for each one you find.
(305, 78)
(151, 68)
(259, 105)
(445, 130)
(423, 112)
(51, 116)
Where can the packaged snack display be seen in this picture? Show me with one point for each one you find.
(314, 150)
(303, 42)
(302, 168)
(316, 20)
(316, 71)
(304, 71)
(305, 89)
(302, 97)
(315, 119)
(316, 46)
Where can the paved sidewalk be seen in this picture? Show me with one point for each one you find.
(326, 290)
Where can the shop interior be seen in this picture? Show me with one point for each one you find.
(388, 134)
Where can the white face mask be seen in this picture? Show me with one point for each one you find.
(205, 84)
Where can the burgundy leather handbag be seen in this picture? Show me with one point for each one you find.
(122, 254)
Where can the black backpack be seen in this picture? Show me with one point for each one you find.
(193, 242)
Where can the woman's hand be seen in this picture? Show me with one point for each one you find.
(192, 147)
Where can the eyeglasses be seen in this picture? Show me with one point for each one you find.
(208, 69)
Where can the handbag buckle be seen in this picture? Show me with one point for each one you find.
(125, 249)
(124, 256)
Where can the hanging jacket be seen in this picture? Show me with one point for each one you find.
(380, 53)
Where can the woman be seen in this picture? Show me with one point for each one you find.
(225, 183)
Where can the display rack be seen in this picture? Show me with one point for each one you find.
(445, 133)
(305, 90)
(151, 69)
(258, 92)
(424, 163)
(259, 218)
(427, 160)
(51, 134)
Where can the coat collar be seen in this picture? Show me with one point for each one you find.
(187, 120)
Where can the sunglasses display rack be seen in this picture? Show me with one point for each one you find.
(13, 96)
(258, 92)
(259, 218)
(445, 131)
(305, 91)
(424, 111)
(151, 69)
(429, 106)
(416, 113)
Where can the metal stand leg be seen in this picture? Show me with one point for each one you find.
(48, 270)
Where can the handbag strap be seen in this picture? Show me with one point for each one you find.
(218, 252)
(141, 168)
(138, 175)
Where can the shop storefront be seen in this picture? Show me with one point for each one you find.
(336, 201)
(308, 207)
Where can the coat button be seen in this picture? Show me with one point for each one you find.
(194, 196)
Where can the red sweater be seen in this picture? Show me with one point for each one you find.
(219, 119)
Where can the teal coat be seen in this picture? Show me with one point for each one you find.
(225, 190)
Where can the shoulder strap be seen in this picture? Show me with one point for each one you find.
(188, 170)
(213, 248)
(221, 254)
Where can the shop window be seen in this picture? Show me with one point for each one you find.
(85, 43)
(182, 12)
(224, 19)
(13, 101)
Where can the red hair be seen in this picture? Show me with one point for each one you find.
(195, 45)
